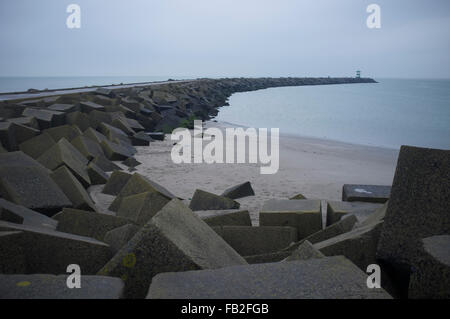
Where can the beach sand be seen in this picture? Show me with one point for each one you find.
(314, 167)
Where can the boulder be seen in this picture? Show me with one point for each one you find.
(336, 210)
(73, 189)
(304, 251)
(430, 278)
(239, 191)
(138, 184)
(131, 162)
(12, 255)
(87, 147)
(55, 287)
(69, 132)
(203, 200)
(116, 182)
(118, 237)
(418, 206)
(175, 239)
(37, 146)
(96, 174)
(226, 217)
(142, 207)
(88, 224)
(105, 164)
(12, 135)
(17, 214)
(33, 188)
(318, 278)
(249, 241)
(305, 215)
(64, 153)
(365, 193)
(50, 252)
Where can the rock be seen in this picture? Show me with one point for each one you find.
(96, 174)
(142, 207)
(226, 217)
(12, 135)
(33, 188)
(37, 146)
(87, 106)
(131, 162)
(115, 152)
(141, 139)
(320, 278)
(87, 147)
(13, 213)
(249, 241)
(304, 251)
(365, 193)
(46, 118)
(418, 206)
(64, 153)
(336, 210)
(203, 200)
(12, 256)
(239, 191)
(72, 188)
(156, 136)
(63, 107)
(175, 239)
(55, 287)
(298, 197)
(118, 237)
(305, 215)
(69, 132)
(49, 251)
(116, 182)
(430, 278)
(138, 184)
(105, 164)
(88, 224)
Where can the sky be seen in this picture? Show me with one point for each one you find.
(225, 38)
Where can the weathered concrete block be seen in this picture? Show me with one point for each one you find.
(138, 184)
(226, 217)
(13, 213)
(29, 121)
(336, 210)
(116, 182)
(118, 237)
(298, 197)
(239, 191)
(12, 135)
(12, 256)
(88, 224)
(321, 278)
(135, 125)
(49, 251)
(63, 107)
(268, 258)
(203, 200)
(72, 188)
(33, 188)
(430, 278)
(249, 241)
(142, 207)
(19, 159)
(55, 287)
(175, 239)
(365, 193)
(141, 139)
(69, 132)
(37, 146)
(123, 125)
(96, 174)
(418, 206)
(64, 153)
(45, 118)
(81, 120)
(157, 136)
(94, 135)
(105, 164)
(114, 151)
(87, 147)
(87, 106)
(131, 162)
(305, 251)
(305, 215)
(105, 92)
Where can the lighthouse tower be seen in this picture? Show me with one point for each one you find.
(358, 74)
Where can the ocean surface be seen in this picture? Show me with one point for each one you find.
(389, 114)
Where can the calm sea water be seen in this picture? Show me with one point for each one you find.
(390, 113)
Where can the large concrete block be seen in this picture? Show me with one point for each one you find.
(87, 147)
(268, 258)
(430, 278)
(305, 251)
(69, 132)
(29, 121)
(228, 217)
(115, 152)
(45, 118)
(336, 210)
(365, 193)
(321, 278)
(123, 125)
(87, 106)
(72, 188)
(55, 287)
(203, 200)
(37, 146)
(305, 215)
(118, 237)
(12, 135)
(418, 207)
(81, 120)
(97, 175)
(19, 159)
(239, 191)
(116, 182)
(50, 252)
(13, 213)
(12, 255)
(59, 107)
(105, 164)
(142, 207)
(33, 188)
(249, 241)
(88, 224)
(175, 239)
(94, 135)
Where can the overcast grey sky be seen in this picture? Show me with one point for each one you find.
(193, 38)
